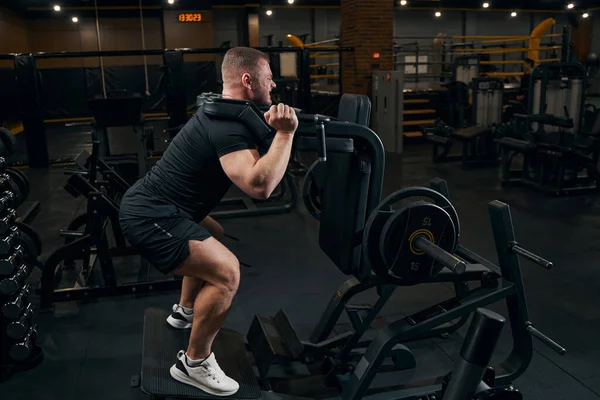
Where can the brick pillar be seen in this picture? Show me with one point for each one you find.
(582, 37)
(368, 26)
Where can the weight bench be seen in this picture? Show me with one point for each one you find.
(478, 146)
(476, 141)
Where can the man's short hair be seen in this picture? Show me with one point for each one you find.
(530, 62)
(239, 60)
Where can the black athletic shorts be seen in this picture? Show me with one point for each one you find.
(158, 229)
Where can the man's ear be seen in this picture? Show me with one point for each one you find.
(247, 80)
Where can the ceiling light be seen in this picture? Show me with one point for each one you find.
(438, 14)
(171, 1)
(513, 14)
(269, 12)
(486, 5)
(75, 19)
(57, 8)
(403, 2)
(571, 6)
(290, 1)
(585, 15)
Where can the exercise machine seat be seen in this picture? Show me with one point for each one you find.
(355, 108)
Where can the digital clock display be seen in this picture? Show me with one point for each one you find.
(190, 17)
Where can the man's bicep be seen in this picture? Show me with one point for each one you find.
(238, 166)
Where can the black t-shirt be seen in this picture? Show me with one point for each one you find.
(189, 174)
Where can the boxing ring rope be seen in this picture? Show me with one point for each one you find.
(322, 74)
(435, 60)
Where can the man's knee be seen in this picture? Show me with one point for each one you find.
(230, 274)
(216, 266)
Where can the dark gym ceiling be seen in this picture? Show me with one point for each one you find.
(40, 7)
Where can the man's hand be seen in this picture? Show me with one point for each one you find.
(282, 118)
(521, 97)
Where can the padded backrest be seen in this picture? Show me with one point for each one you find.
(343, 209)
(355, 108)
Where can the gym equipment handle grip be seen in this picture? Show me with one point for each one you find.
(321, 147)
(530, 256)
(450, 261)
(545, 339)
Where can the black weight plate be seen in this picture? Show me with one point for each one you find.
(3, 151)
(403, 263)
(312, 189)
(13, 187)
(379, 216)
(21, 179)
(28, 232)
(8, 140)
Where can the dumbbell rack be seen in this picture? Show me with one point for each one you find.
(20, 247)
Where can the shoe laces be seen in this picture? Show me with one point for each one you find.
(214, 371)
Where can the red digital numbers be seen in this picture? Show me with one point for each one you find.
(190, 17)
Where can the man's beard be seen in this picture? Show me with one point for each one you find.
(263, 101)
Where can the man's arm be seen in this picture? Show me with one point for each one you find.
(258, 177)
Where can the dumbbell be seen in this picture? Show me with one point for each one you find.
(11, 285)
(21, 350)
(8, 200)
(6, 244)
(17, 329)
(8, 265)
(11, 185)
(7, 221)
(13, 308)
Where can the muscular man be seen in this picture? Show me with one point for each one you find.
(159, 213)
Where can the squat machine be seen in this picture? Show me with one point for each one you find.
(409, 238)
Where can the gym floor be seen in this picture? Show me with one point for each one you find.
(92, 350)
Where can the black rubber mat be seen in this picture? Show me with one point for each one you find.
(160, 346)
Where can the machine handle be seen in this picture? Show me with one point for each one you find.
(545, 339)
(450, 261)
(530, 256)
(321, 146)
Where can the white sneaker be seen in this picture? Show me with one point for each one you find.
(179, 319)
(207, 376)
